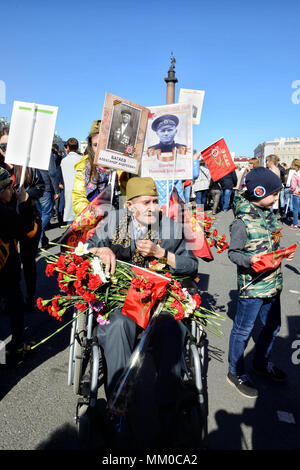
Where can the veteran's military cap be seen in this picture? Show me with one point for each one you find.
(138, 186)
(95, 129)
(125, 111)
(166, 120)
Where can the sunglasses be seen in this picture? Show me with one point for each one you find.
(3, 147)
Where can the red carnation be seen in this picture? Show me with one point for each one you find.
(179, 316)
(39, 304)
(145, 294)
(89, 297)
(71, 269)
(197, 299)
(80, 306)
(61, 262)
(50, 268)
(94, 281)
(137, 283)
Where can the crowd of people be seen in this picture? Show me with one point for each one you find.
(258, 197)
(218, 196)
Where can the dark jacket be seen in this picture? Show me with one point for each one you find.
(36, 187)
(169, 232)
(229, 181)
(13, 227)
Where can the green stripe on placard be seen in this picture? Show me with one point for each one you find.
(46, 111)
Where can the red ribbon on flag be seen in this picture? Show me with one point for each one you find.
(142, 295)
(218, 160)
(272, 260)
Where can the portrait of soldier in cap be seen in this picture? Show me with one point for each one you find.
(123, 130)
(166, 130)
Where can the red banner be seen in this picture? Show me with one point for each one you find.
(272, 260)
(84, 226)
(142, 295)
(195, 239)
(218, 159)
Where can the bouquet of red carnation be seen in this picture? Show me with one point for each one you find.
(203, 221)
(84, 285)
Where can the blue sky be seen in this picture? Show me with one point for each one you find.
(245, 55)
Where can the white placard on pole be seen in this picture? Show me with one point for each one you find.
(195, 98)
(31, 135)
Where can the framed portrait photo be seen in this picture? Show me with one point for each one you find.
(195, 98)
(122, 135)
(168, 149)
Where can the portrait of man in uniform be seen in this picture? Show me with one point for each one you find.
(166, 127)
(124, 128)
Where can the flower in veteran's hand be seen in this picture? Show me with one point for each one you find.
(97, 267)
(81, 249)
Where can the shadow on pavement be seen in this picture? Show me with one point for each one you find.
(38, 325)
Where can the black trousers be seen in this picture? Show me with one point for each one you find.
(167, 340)
(12, 300)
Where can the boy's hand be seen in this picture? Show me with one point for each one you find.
(290, 257)
(255, 258)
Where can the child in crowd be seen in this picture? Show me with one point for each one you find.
(253, 233)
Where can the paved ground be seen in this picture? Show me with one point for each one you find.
(37, 406)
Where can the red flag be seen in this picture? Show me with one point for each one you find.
(143, 294)
(272, 260)
(193, 233)
(84, 225)
(218, 159)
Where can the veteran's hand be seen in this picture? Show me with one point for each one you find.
(148, 248)
(107, 257)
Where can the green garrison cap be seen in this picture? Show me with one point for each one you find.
(140, 187)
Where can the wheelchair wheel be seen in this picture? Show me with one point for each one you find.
(80, 333)
(194, 412)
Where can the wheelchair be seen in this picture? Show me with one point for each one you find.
(86, 374)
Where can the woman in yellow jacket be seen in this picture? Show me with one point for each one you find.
(91, 179)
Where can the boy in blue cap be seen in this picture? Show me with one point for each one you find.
(254, 232)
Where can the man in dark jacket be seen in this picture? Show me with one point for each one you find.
(15, 224)
(228, 182)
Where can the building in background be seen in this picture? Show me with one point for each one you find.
(285, 148)
(242, 162)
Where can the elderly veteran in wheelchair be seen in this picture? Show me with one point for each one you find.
(136, 234)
